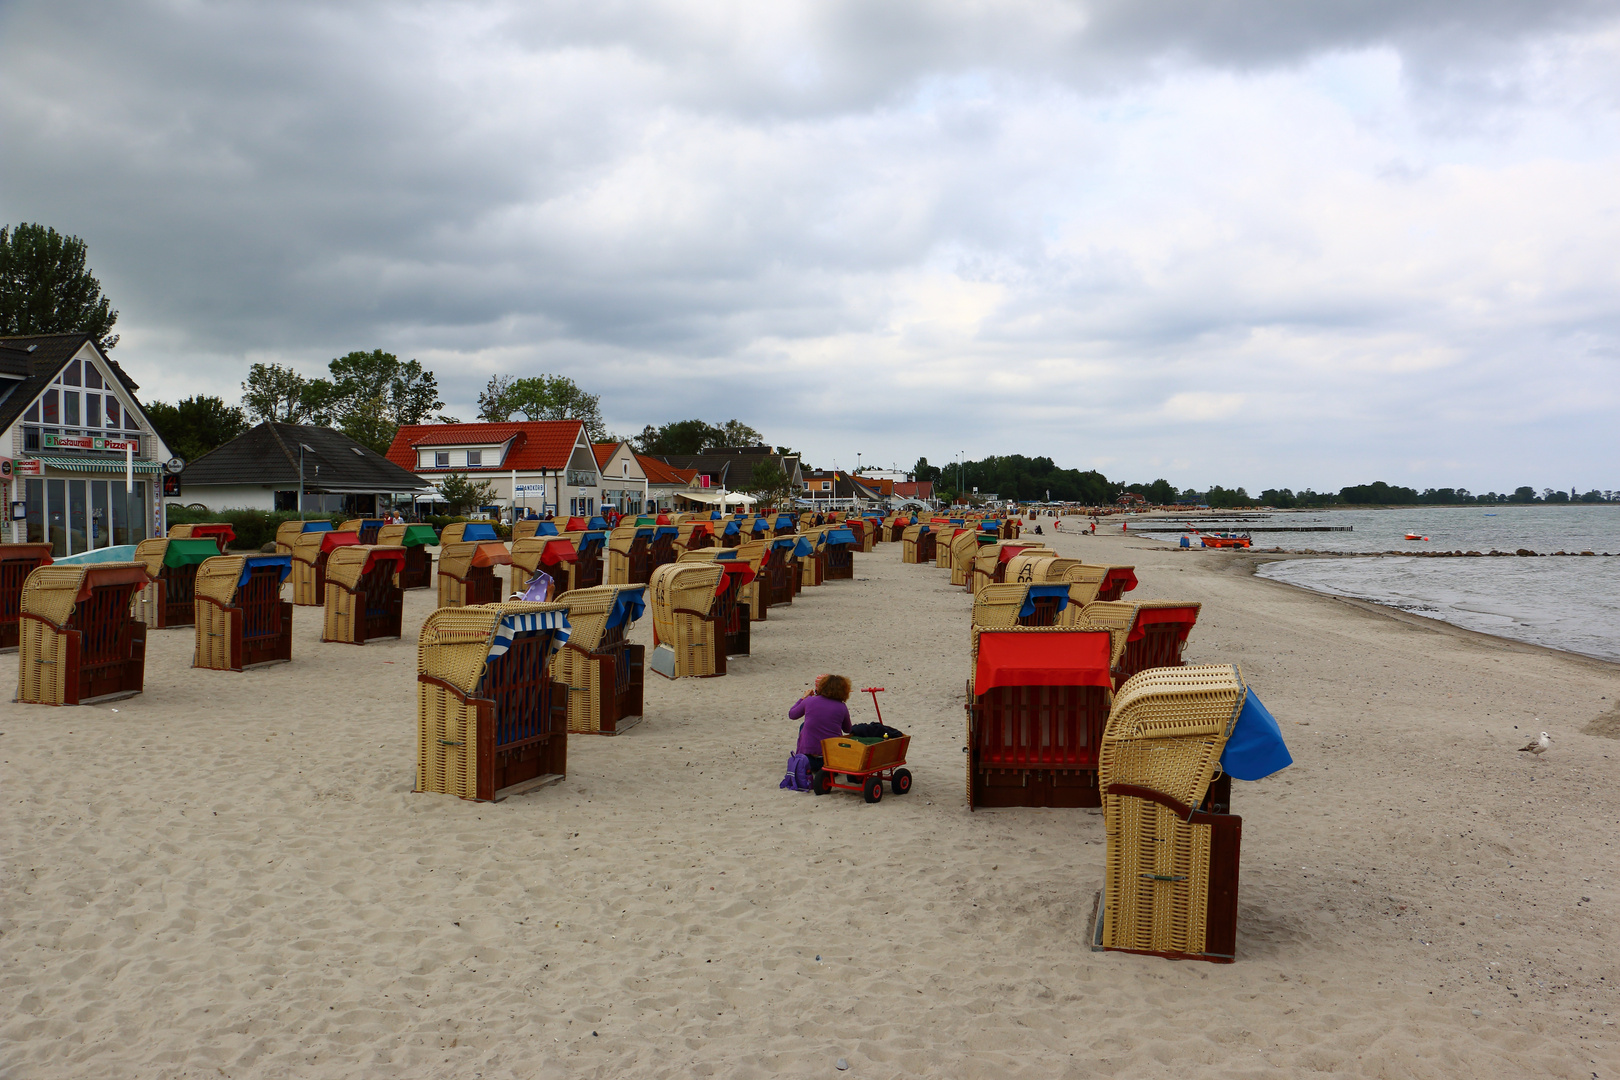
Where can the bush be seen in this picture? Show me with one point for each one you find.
(439, 521)
(253, 528)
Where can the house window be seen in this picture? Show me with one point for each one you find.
(92, 410)
(112, 413)
(475, 459)
(441, 460)
(826, 485)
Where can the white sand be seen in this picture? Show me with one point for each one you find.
(229, 875)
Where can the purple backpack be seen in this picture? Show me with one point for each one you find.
(798, 773)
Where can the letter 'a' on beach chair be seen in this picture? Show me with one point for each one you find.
(467, 571)
(1040, 567)
(171, 565)
(918, 544)
(688, 637)
(604, 673)
(491, 720)
(242, 621)
(369, 530)
(218, 531)
(1148, 634)
(363, 599)
(417, 572)
(990, 561)
(630, 553)
(1171, 880)
(1037, 704)
(79, 643)
(309, 554)
(17, 561)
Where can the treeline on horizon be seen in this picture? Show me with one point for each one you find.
(1024, 479)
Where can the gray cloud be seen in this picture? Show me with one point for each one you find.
(1106, 232)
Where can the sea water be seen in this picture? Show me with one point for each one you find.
(1568, 603)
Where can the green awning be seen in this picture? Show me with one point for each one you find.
(189, 552)
(419, 536)
(110, 466)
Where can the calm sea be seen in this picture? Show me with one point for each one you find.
(1564, 603)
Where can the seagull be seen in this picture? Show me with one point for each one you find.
(1538, 746)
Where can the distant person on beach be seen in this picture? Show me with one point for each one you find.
(825, 716)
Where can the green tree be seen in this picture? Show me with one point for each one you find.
(45, 287)
(464, 495)
(542, 397)
(1524, 494)
(370, 394)
(494, 403)
(769, 484)
(196, 425)
(736, 434)
(273, 392)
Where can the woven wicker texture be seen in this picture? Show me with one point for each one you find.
(149, 553)
(1040, 569)
(286, 533)
(217, 578)
(1166, 731)
(1084, 582)
(345, 564)
(987, 559)
(391, 535)
(996, 606)
(689, 586)
(50, 592)
(451, 533)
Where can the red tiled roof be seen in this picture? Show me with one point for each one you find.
(921, 489)
(603, 451)
(659, 473)
(536, 444)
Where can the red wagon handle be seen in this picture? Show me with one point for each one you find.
(874, 691)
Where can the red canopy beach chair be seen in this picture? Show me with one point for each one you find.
(1038, 703)
(79, 644)
(17, 561)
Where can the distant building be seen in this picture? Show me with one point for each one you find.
(921, 490)
(259, 470)
(544, 466)
(838, 490)
(665, 483)
(85, 462)
(728, 469)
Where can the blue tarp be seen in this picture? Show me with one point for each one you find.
(785, 521)
(644, 531)
(840, 536)
(732, 529)
(1059, 591)
(317, 526)
(587, 539)
(255, 562)
(785, 542)
(666, 530)
(805, 548)
(476, 531)
(629, 604)
(597, 523)
(1256, 748)
(545, 528)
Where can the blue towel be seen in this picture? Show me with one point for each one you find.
(1256, 748)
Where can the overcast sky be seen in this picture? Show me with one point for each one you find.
(1267, 243)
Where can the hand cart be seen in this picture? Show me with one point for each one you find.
(863, 763)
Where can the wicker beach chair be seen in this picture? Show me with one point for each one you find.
(469, 532)
(784, 525)
(587, 570)
(17, 561)
(688, 635)
(549, 555)
(78, 642)
(1037, 704)
(367, 529)
(417, 573)
(1148, 634)
(782, 572)
(1172, 863)
(693, 536)
(990, 561)
(467, 571)
(838, 552)
(629, 554)
(604, 673)
(1026, 604)
(1091, 583)
(288, 532)
(734, 604)
(242, 621)
(364, 601)
(220, 532)
(310, 552)
(964, 550)
(491, 720)
(661, 549)
(168, 599)
(919, 544)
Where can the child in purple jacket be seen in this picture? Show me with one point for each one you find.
(825, 716)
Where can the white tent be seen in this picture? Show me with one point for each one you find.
(712, 497)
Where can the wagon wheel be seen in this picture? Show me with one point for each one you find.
(900, 782)
(821, 782)
(872, 790)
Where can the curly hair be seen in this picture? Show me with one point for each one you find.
(835, 687)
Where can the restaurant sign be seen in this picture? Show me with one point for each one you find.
(87, 442)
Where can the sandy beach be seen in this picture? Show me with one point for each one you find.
(229, 876)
